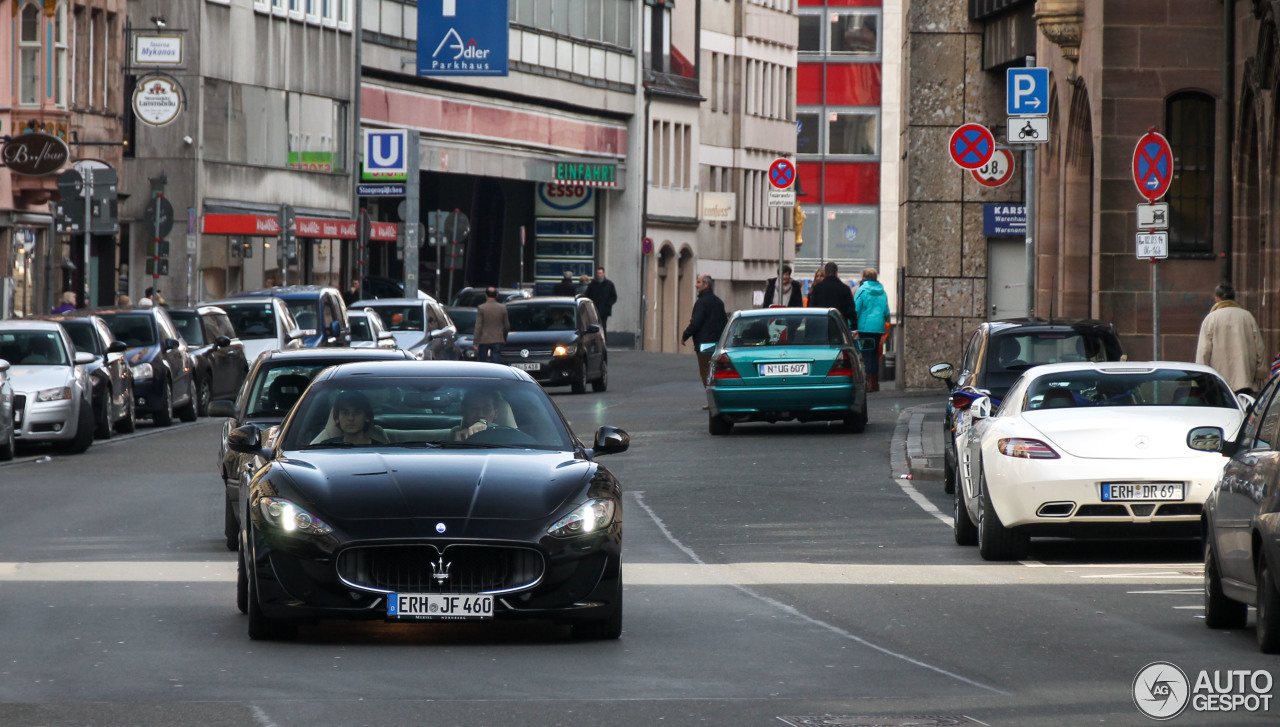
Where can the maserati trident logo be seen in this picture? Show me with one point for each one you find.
(440, 528)
(440, 570)
(1141, 441)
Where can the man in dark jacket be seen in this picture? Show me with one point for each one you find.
(791, 295)
(565, 286)
(833, 292)
(604, 295)
(706, 324)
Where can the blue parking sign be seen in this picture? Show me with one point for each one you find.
(462, 37)
(386, 155)
(1027, 92)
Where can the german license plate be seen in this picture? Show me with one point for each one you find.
(527, 366)
(784, 369)
(438, 607)
(1141, 491)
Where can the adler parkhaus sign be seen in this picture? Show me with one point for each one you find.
(462, 38)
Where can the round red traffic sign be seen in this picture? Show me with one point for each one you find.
(646, 246)
(1153, 165)
(997, 171)
(782, 174)
(971, 146)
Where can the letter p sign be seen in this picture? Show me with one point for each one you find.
(1028, 91)
(386, 155)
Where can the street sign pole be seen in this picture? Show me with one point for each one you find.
(412, 201)
(1155, 309)
(87, 174)
(155, 254)
(1030, 193)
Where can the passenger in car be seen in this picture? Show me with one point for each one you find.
(352, 418)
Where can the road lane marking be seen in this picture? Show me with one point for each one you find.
(792, 611)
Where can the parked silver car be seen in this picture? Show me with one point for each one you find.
(368, 330)
(261, 324)
(419, 325)
(53, 396)
(6, 414)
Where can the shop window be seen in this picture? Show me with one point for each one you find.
(808, 132)
(29, 55)
(59, 80)
(810, 40)
(1190, 123)
(854, 32)
(852, 133)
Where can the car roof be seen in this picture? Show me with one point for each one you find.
(104, 312)
(395, 301)
(1105, 367)
(329, 354)
(244, 300)
(20, 324)
(759, 312)
(449, 369)
(86, 318)
(547, 299)
(1047, 324)
(291, 291)
(198, 310)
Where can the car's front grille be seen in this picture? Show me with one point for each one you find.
(424, 569)
(514, 353)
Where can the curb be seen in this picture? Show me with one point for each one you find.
(922, 463)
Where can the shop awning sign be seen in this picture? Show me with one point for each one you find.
(462, 38)
(157, 100)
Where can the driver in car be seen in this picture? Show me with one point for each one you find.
(479, 408)
(353, 417)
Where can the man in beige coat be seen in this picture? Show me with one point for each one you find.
(492, 327)
(1230, 341)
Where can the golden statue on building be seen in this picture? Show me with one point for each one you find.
(798, 216)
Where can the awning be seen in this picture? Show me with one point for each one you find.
(305, 227)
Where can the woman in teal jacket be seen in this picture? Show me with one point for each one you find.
(873, 312)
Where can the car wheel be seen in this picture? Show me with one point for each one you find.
(995, 541)
(857, 423)
(965, 531)
(205, 396)
(102, 428)
(718, 425)
(242, 584)
(187, 412)
(1220, 612)
(84, 431)
(1268, 618)
(606, 629)
(230, 528)
(6, 449)
(602, 383)
(579, 382)
(164, 417)
(130, 421)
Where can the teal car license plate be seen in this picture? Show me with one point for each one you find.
(439, 606)
(784, 369)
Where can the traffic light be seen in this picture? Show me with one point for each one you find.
(157, 266)
(288, 234)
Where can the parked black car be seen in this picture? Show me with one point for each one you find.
(429, 491)
(274, 384)
(998, 352)
(558, 341)
(110, 374)
(319, 311)
(472, 297)
(1241, 522)
(164, 380)
(219, 356)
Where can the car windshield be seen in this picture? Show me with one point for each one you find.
(82, 335)
(788, 330)
(1021, 351)
(306, 312)
(360, 330)
(251, 320)
(1152, 387)
(135, 329)
(32, 348)
(464, 319)
(543, 317)
(401, 317)
(188, 325)
(426, 412)
(275, 390)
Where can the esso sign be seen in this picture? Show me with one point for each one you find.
(567, 191)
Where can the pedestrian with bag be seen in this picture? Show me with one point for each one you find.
(492, 327)
(872, 307)
(706, 323)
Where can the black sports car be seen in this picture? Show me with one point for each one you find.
(429, 491)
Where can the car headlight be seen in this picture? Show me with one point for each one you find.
(289, 518)
(565, 350)
(591, 516)
(60, 393)
(142, 371)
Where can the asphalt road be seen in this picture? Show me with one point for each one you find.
(781, 575)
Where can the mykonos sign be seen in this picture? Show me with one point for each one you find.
(35, 154)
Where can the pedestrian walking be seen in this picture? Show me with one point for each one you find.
(791, 295)
(68, 303)
(566, 285)
(706, 323)
(818, 275)
(1230, 341)
(831, 292)
(872, 306)
(492, 327)
(602, 292)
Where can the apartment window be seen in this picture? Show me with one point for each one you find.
(808, 132)
(312, 8)
(329, 11)
(852, 133)
(810, 40)
(715, 81)
(262, 6)
(854, 32)
(60, 55)
(279, 7)
(29, 55)
(1189, 119)
(344, 14)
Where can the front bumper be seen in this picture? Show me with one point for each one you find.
(551, 371)
(49, 421)
(148, 395)
(805, 402)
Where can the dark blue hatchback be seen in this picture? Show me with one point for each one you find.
(319, 310)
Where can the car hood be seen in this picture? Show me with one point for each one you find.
(1130, 432)
(540, 339)
(30, 379)
(351, 489)
(141, 354)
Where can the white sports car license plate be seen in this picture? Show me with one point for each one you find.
(438, 607)
(527, 366)
(784, 369)
(1141, 491)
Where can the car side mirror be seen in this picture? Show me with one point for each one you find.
(223, 408)
(980, 408)
(1210, 439)
(82, 358)
(222, 341)
(117, 347)
(247, 440)
(944, 371)
(706, 348)
(169, 344)
(1246, 402)
(593, 328)
(610, 440)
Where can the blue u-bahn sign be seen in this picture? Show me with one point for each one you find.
(462, 38)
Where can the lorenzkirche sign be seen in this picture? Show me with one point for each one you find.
(157, 100)
(35, 154)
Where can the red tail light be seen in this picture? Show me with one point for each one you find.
(724, 368)
(843, 365)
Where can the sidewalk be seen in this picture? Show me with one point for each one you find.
(920, 432)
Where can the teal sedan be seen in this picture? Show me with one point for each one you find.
(784, 364)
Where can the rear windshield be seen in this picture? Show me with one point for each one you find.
(188, 325)
(1157, 387)
(1021, 351)
(134, 329)
(82, 335)
(401, 317)
(306, 312)
(464, 319)
(788, 330)
(543, 317)
(360, 328)
(251, 320)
